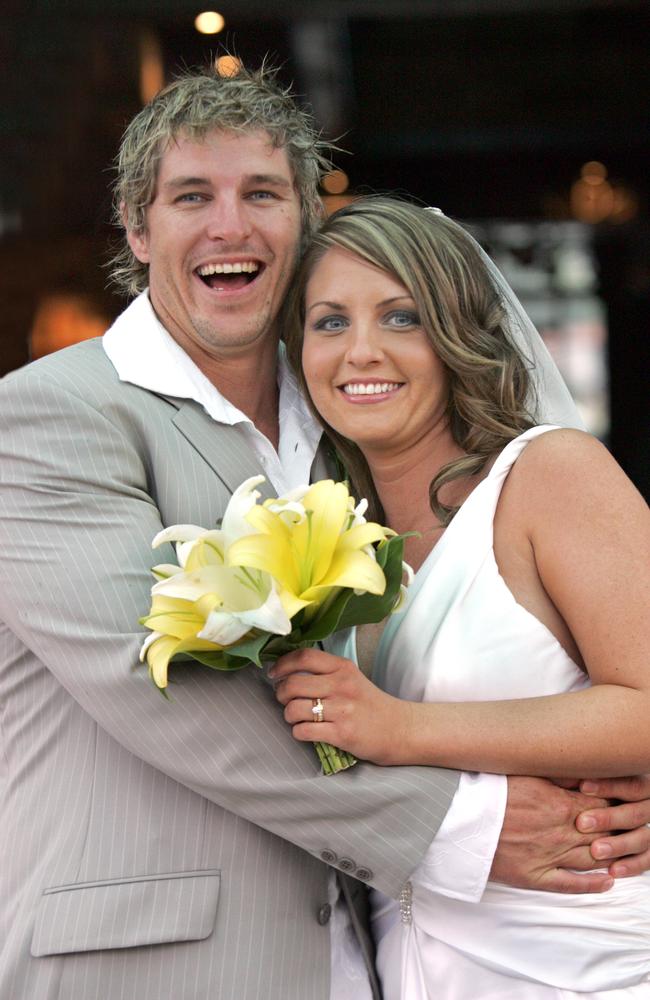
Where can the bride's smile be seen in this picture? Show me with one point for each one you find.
(371, 369)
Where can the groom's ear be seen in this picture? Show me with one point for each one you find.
(138, 239)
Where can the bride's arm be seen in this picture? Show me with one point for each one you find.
(589, 534)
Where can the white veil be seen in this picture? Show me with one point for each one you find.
(553, 403)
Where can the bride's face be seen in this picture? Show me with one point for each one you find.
(370, 367)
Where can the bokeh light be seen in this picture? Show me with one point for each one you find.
(228, 65)
(335, 182)
(209, 22)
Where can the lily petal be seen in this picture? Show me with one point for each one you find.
(270, 553)
(233, 586)
(360, 536)
(234, 523)
(315, 540)
(164, 570)
(351, 569)
(163, 649)
(224, 628)
(152, 637)
(177, 533)
(208, 550)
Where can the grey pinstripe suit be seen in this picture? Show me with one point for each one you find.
(151, 850)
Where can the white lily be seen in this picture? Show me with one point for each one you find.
(234, 524)
(208, 608)
(228, 627)
(407, 579)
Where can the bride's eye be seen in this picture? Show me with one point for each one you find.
(330, 324)
(402, 319)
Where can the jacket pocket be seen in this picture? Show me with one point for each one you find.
(125, 913)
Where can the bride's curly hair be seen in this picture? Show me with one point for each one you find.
(490, 388)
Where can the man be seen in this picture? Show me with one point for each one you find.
(169, 851)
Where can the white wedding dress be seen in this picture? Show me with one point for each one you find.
(462, 637)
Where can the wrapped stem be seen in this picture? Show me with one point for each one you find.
(332, 759)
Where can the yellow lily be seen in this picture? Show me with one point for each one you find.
(208, 606)
(320, 544)
(176, 624)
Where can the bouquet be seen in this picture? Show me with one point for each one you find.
(275, 576)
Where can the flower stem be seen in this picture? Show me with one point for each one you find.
(332, 759)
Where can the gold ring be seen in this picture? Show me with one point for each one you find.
(317, 710)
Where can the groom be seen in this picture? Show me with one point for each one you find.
(183, 850)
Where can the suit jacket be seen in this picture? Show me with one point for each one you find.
(151, 849)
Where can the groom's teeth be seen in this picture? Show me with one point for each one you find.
(246, 266)
(368, 388)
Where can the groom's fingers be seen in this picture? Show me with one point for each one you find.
(563, 880)
(632, 864)
(633, 789)
(631, 851)
(630, 806)
(540, 846)
(627, 852)
(622, 816)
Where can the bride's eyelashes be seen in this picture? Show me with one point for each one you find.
(330, 324)
(396, 319)
(402, 319)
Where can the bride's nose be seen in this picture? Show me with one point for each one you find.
(364, 346)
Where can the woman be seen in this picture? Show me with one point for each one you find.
(523, 645)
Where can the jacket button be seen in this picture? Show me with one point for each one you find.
(324, 914)
(347, 865)
(364, 874)
(329, 857)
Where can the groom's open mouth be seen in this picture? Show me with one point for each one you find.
(230, 276)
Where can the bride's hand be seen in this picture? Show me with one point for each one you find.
(357, 715)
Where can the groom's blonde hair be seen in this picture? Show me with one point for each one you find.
(193, 105)
(461, 312)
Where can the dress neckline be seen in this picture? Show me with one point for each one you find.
(502, 460)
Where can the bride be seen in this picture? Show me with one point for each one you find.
(522, 648)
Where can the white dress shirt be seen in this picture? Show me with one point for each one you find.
(460, 857)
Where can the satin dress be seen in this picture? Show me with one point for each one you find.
(462, 636)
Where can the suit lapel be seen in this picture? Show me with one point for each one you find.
(219, 445)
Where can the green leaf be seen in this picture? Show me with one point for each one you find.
(327, 622)
(374, 608)
(236, 656)
(218, 661)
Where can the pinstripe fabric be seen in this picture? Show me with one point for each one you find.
(151, 849)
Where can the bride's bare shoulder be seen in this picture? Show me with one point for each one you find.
(566, 474)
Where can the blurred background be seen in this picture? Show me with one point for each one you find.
(528, 120)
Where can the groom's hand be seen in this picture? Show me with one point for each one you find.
(540, 846)
(628, 851)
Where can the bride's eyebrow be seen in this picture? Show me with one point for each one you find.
(328, 305)
(339, 305)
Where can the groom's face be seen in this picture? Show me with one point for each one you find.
(221, 241)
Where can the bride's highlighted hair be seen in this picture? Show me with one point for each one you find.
(460, 310)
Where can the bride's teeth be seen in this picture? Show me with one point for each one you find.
(368, 389)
